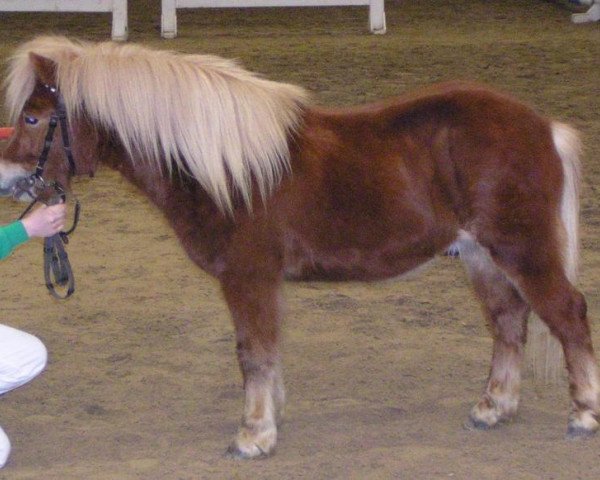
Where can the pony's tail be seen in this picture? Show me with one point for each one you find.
(545, 351)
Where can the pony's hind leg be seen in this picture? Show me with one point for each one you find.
(537, 270)
(506, 313)
(254, 304)
(564, 310)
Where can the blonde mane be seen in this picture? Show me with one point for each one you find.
(200, 114)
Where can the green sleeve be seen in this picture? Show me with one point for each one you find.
(11, 236)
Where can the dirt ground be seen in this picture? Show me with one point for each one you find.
(142, 382)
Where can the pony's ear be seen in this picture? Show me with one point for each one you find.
(44, 68)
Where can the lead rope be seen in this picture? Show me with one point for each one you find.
(57, 268)
(58, 273)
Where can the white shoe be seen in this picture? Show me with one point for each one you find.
(4, 448)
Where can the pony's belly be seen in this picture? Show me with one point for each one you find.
(353, 263)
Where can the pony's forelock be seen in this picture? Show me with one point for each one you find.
(20, 80)
(199, 114)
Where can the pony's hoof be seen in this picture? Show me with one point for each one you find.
(489, 413)
(236, 453)
(486, 422)
(249, 444)
(576, 433)
(473, 424)
(583, 425)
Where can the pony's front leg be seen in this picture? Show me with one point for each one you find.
(254, 302)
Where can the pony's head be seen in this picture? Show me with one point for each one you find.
(200, 115)
(33, 99)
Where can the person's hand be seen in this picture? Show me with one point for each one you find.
(45, 221)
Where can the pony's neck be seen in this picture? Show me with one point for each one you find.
(147, 178)
(188, 208)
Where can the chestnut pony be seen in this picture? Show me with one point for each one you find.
(260, 185)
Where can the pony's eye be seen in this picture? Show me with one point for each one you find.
(30, 120)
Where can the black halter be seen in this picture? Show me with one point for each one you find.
(58, 116)
(57, 268)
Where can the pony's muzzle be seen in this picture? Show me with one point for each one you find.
(12, 178)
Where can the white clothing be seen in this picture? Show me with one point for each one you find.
(22, 357)
(592, 15)
(4, 447)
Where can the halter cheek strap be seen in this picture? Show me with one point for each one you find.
(58, 116)
(39, 169)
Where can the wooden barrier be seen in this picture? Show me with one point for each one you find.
(117, 7)
(169, 9)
